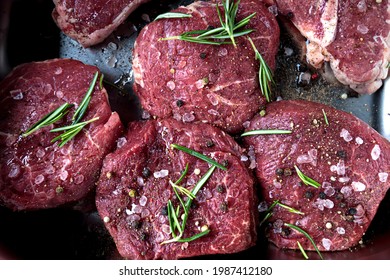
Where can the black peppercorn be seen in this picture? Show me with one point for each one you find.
(290, 15)
(309, 194)
(143, 236)
(285, 232)
(146, 172)
(223, 206)
(279, 171)
(209, 143)
(202, 55)
(135, 224)
(220, 189)
(341, 154)
(179, 103)
(164, 211)
(352, 211)
(322, 195)
(225, 162)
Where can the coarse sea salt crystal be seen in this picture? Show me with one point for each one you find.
(328, 203)
(383, 177)
(161, 174)
(340, 230)
(14, 171)
(344, 179)
(358, 186)
(188, 117)
(326, 243)
(262, 207)
(375, 152)
(121, 142)
(346, 191)
(143, 200)
(171, 85)
(346, 135)
(359, 140)
(39, 179)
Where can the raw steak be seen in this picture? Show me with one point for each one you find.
(198, 82)
(91, 21)
(133, 191)
(348, 158)
(35, 173)
(353, 35)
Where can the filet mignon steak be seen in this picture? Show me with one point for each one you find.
(349, 160)
(91, 21)
(34, 172)
(134, 189)
(203, 83)
(353, 35)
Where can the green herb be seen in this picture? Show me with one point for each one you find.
(49, 119)
(182, 190)
(172, 15)
(267, 216)
(79, 113)
(101, 81)
(290, 209)
(266, 132)
(198, 155)
(325, 117)
(70, 131)
(302, 250)
(265, 73)
(388, 64)
(307, 180)
(173, 214)
(306, 235)
(216, 36)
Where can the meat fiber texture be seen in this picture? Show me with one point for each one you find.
(91, 21)
(352, 35)
(143, 165)
(349, 159)
(203, 83)
(35, 173)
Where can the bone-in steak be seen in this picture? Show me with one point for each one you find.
(349, 160)
(134, 189)
(35, 173)
(196, 82)
(91, 21)
(353, 35)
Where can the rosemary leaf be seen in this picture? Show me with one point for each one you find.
(198, 155)
(267, 216)
(183, 174)
(172, 15)
(183, 190)
(265, 73)
(307, 180)
(290, 209)
(302, 250)
(325, 117)
(101, 81)
(195, 236)
(78, 114)
(70, 131)
(306, 235)
(49, 119)
(229, 29)
(266, 132)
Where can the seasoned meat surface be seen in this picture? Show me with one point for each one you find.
(34, 172)
(91, 21)
(353, 35)
(349, 160)
(134, 189)
(195, 82)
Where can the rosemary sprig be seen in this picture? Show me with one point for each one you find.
(306, 235)
(49, 119)
(265, 73)
(101, 81)
(198, 155)
(173, 215)
(307, 180)
(172, 15)
(266, 132)
(302, 250)
(216, 36)
(290, 209)
(82, 108)
(70, 131)
(325, 117)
